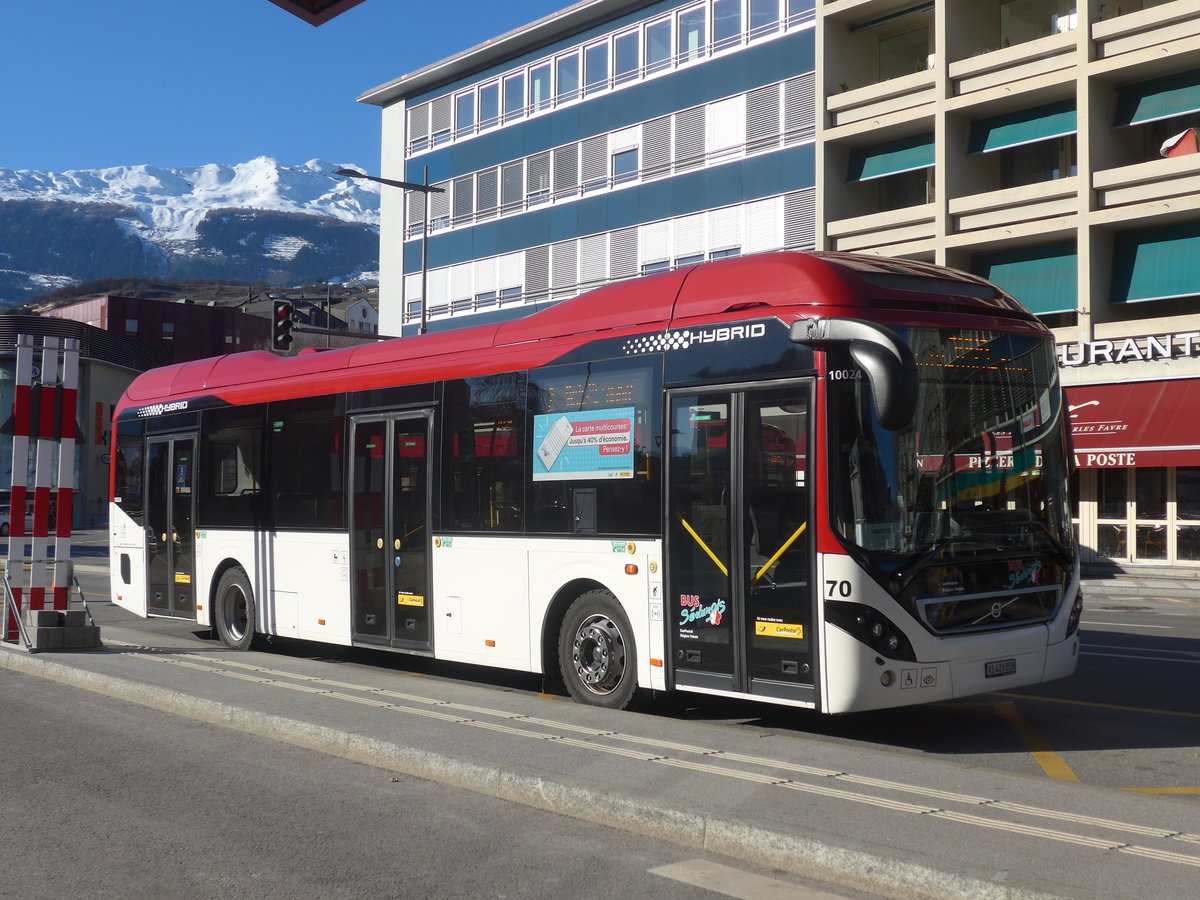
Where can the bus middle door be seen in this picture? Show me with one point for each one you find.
(390, 531)
(739, 545)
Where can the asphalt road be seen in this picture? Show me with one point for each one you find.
(109, 799)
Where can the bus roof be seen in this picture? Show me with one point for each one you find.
(811, 284)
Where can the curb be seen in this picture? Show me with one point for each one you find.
(858, 869)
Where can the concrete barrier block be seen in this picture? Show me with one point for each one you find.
(74, 618)
(45, 638)
(81, 637)
(42, 618)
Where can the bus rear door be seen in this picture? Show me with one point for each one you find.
(389, 548)
(170, 533)
(740, 554)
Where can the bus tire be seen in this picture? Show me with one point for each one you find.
(234, 610)
(596, 652)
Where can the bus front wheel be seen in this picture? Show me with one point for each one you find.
(596, 653)
(234, 610)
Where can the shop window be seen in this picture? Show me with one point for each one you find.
(1150, 496)
(1112, 493)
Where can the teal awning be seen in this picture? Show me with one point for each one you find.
(891, 158)
(1156, 263)
(1024, 127)
(1160, 98)
(1044, 278)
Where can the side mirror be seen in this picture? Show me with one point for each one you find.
(882, 354)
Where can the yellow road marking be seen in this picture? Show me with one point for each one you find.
(1052, 764)
(1094, 705)
(1166, 790)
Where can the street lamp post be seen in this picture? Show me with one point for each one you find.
(423, 188)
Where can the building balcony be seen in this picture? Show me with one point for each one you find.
(1158, 30)
(1015, 206)
(892, 233)
(1009, 67)
(1149, 183)
(912, 95)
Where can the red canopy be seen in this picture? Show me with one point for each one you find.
(1141, 423)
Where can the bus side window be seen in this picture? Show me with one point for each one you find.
(483, 475)
(231, 461)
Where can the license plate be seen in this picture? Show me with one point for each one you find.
(998, 667)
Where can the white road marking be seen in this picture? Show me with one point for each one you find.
(737, 883)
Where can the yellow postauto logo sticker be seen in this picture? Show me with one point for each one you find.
(180, 578)
(403, 599)
(779, 629)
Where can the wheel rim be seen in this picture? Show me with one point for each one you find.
(598, 654)
(234, 612)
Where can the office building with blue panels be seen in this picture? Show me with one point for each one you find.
(607, 141)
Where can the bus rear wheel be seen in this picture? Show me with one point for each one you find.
(596, 652)
(234, 610)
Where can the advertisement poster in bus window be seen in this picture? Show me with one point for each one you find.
(575, 446)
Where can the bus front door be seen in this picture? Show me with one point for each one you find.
(740, 552)
(389, 547)
(170, 536)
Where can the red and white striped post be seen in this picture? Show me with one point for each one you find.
(44, 416)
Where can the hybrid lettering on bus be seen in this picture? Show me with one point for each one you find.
(756, 477)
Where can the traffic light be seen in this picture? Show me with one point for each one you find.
(281, 325)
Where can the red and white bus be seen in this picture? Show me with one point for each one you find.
(821, 480)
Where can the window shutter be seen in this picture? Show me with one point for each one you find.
(512, 270)
(488, 187)
(689, 138)
(656, 147)
(594, 172)
(725, 228)
(762, 118)
(593, 260)
(418, 126)
(726, 126)
(566, 171)
(464, 199)
(485, 275)
(623, 253)
(512, 185)
(654, 243)
(763, 225)
(564, 268)
(439, 117)
(800, 220)
(799, 108)
(537, 273)
(689, 235)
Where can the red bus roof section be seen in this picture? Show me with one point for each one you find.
(723, 290)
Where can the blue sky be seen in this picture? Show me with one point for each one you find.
(179, 83)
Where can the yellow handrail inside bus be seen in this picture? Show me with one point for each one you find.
(778, 553)
(704, 546)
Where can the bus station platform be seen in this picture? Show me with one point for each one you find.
(883, 822)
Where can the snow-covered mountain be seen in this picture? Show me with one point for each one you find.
(256, 221)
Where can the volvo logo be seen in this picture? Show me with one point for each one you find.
(997, 610)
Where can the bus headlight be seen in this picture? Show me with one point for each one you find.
(871, 627)
(1076, 613)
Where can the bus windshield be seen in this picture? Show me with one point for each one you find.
(981, 468)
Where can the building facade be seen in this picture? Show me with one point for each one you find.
(1043, 144)
(184, 330)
